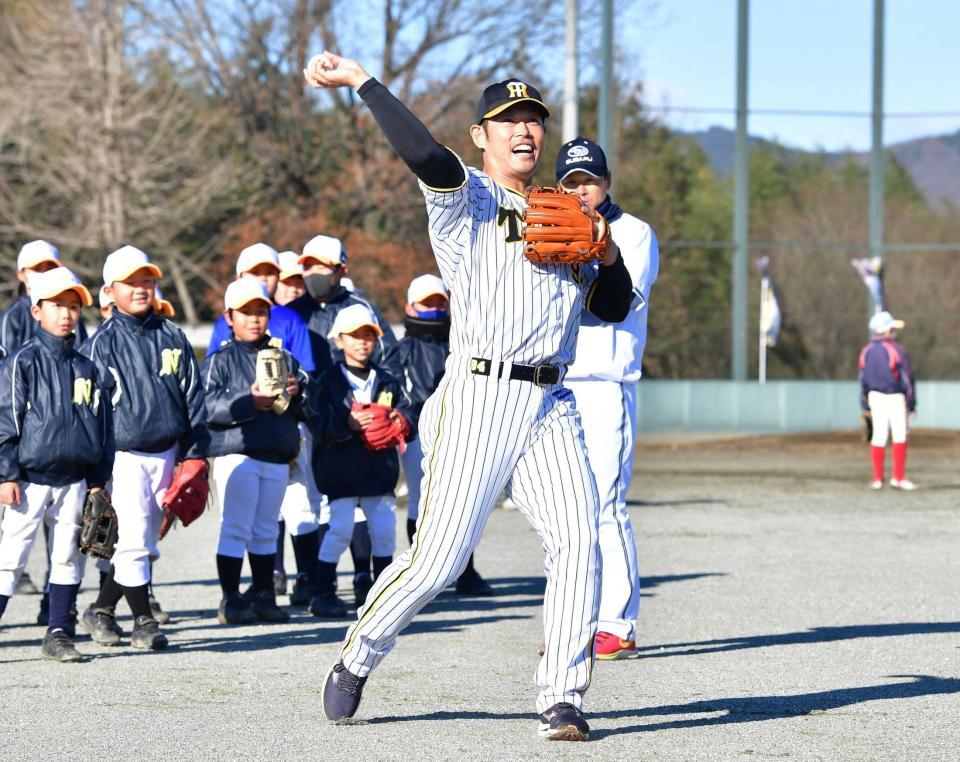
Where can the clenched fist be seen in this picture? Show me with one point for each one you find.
(330, 70)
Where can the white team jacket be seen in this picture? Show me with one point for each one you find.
(614, 351)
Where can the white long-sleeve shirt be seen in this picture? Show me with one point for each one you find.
(614, 351)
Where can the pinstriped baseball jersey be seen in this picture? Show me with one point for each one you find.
(502, 306)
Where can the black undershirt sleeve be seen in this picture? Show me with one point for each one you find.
(433, 163)
(611, 293)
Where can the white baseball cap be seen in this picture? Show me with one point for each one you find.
(326, 249)
(243, 291)
(104, 298)
(423, 286)
(289, 264)
(353, 317)
(35, 253)
(257, 254)
(883, 321)
(54, 282)
(124, 262)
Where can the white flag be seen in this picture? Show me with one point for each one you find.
(770, 317)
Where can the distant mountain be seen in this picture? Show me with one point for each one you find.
(933, 162)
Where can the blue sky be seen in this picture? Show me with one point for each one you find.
(804, 54)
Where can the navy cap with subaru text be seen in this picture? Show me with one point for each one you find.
(581, 155)
(500, 96)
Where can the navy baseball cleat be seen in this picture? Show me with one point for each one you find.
(146, 634)
(563, 722)
(341, 693)
(57, 646)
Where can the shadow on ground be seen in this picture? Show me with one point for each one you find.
(804, 637)
(730, 710)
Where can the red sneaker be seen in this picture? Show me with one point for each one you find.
(608, 647)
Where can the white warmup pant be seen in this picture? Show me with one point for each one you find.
(412, 461)
(59, 507)
(140, 480)
(358, 514)
(300, 509)
(481, 435)
(378, 512)
(250, 493)
(889, 412)
(608, 412)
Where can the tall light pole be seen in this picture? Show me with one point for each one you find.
(604, 107)
(876, 140)
(741, 206)
(571, 109)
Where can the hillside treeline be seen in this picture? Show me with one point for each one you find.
(183, 127)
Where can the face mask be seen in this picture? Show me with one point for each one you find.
(432, 314)
(320, 287)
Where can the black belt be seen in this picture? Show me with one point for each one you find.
(541, 375)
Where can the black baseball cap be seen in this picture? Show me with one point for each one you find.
(581, 155)
(500, 96)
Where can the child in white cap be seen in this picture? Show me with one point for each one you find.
(348, 472)
(253, 443)
(51, 454)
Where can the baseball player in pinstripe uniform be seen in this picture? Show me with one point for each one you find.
(500, 418)
(604, 381)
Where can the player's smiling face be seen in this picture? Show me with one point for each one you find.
(357, 346)
(512, 142)
(134, 294)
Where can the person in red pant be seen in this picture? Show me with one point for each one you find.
(888, 391)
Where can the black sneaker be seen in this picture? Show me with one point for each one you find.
(471, 583)
(341, 693)
(302, 591)
(146, 634)
(159, 614)
(43, 616)
(235, 609)
(279, 583)
(101, 625)
(25, 586)
(328, 606)
(361, 587)
(57, 646)
(563, 722)
(265, 607)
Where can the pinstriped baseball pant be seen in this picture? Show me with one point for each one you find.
(481, 435)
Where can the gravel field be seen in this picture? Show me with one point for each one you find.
(788, 612)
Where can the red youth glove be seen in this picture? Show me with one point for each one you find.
(186, 499)
(389, 427)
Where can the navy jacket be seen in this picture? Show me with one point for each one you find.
(885, 367)
(235, 425)
(17, 326)
(55, 421)
(319, 319)
(421, 355)
(342, 466)
(157, 396)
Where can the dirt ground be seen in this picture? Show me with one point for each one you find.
(787, 612)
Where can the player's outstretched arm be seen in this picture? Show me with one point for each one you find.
(433, 163)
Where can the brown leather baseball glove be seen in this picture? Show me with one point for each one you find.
(557, 231)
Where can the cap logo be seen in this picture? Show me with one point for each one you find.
(517, 90)
(577, 152)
